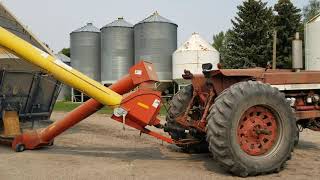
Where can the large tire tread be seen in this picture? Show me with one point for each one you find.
(219, 122)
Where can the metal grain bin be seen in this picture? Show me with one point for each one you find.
(192, 54)
(85, 50)
(312, 38)
(155, 41)
(117, 52)
(65, 92)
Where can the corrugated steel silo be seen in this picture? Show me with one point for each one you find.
(65, 90)
(155, 40)
(192, 54)
(85, 50)
(312, 38)
(117, 52)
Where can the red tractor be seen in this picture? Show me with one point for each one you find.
(248, 118)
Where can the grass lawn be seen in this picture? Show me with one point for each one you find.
(69, 106)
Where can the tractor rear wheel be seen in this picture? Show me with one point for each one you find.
(251, 129)
(178, 106)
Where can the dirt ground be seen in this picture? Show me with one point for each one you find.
(98, 148)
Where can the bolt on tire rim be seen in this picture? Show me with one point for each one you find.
(257, 131)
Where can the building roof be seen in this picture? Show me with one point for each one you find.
(120, 22)
(155, 17)
(196, 43)
(63, 58)
(19, 29)
(315, 18)
(89, 27)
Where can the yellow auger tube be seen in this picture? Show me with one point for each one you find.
(58, 69)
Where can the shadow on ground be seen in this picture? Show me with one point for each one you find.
(307, 145)
(131, 154)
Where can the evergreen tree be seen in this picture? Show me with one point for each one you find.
(218, 40)
(250, 40)
(311, 10)
(287, 23)
(224, 49)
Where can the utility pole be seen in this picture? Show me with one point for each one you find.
(274, 55)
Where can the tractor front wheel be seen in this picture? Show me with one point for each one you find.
(251, 129)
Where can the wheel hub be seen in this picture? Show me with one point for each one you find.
(257, 130)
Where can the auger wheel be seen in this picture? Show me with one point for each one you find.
(251, 129)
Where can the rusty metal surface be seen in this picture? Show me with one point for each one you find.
(257, 131)
(199, 83)
(218, 80)
(211, 84)
(11, 123)
(203, 95)
(277, 78)
(200, 126)
(242, 72)
(307, 114)
(273, 77)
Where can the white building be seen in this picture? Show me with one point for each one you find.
(192, 54)
(312, 44)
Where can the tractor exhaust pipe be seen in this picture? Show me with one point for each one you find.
(297, 53)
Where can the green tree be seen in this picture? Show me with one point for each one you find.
(311, 10)
(249, 42)
(287, 23)
(218, 40)
(224, 49)
(66, 51)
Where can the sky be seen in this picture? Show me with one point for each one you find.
(52, 21)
